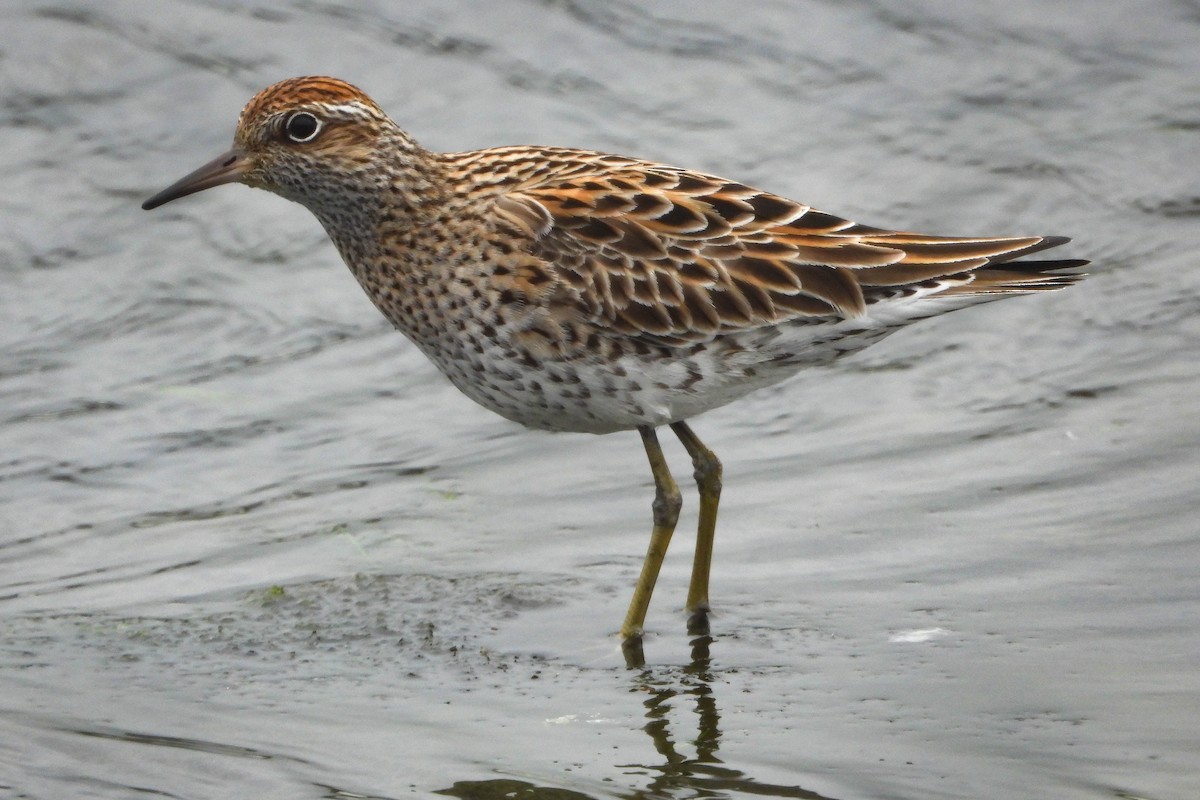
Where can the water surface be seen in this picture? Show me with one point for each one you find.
(254, 546)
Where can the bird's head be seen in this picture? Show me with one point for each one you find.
(316, 140)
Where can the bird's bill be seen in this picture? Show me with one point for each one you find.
(228, 167)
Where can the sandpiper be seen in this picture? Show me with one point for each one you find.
(571, 290)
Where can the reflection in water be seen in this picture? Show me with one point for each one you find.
(703, 775)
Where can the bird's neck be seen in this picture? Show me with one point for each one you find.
(381, 209)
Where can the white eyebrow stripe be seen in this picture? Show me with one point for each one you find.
(352, 109)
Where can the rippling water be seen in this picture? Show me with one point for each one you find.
(254, 546)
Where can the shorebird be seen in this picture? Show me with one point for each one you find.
(571, 290)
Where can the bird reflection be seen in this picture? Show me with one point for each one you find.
(694, 683)
(675, 774)
(704, 774)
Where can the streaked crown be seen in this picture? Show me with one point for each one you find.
(294, 92)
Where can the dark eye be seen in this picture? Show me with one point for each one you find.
(302, 127)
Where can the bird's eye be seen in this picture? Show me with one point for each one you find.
(302, 127)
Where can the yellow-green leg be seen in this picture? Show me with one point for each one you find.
(667, 502)
(708, 482)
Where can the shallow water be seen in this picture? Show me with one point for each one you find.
(254, 546)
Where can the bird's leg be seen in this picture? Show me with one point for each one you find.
(708, 481)
(667, 502)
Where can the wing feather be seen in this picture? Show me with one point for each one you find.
(669, 254)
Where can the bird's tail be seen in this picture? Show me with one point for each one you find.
(1009, 274)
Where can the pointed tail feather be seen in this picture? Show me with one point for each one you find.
(1019, 277)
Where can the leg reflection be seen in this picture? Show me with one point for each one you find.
(670, 691)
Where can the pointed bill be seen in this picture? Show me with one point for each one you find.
(226, 168)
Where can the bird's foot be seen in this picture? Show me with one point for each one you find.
(631, 647)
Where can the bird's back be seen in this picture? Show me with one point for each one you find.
(637, 293)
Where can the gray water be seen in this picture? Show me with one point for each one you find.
(253, 545)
